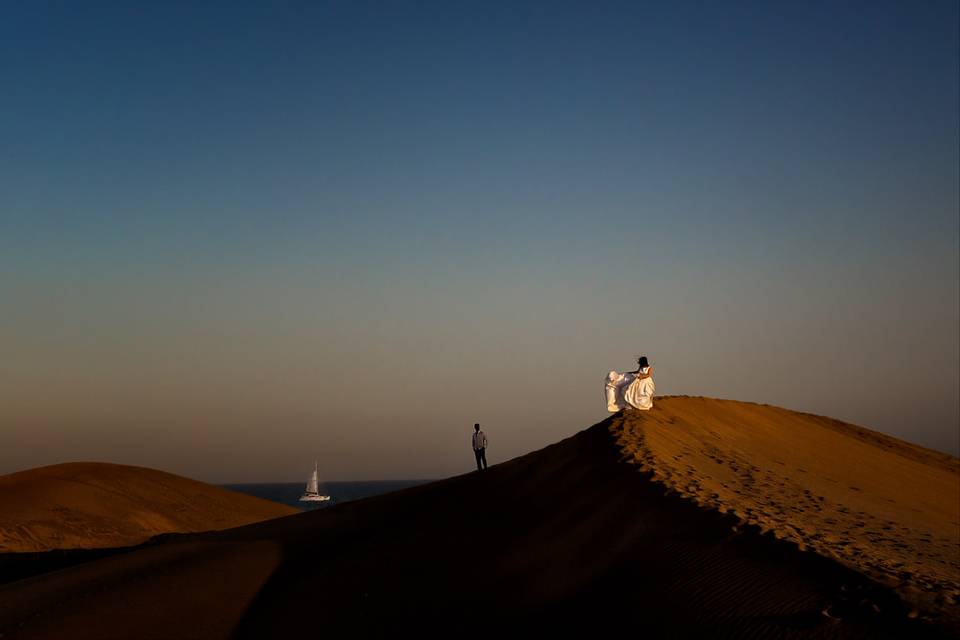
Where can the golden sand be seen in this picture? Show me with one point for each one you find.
(90, 505)
(882, 506)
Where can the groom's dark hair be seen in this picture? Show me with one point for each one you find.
(642, 361)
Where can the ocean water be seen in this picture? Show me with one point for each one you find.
(289, 493)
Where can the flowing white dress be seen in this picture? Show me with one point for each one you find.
(626, 391)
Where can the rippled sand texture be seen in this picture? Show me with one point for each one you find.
(886, 507)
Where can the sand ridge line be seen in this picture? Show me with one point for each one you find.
(567, 540)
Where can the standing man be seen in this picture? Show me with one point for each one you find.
(480, 447)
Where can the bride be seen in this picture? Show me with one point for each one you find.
(632, 389)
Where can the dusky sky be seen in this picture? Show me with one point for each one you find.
(237, 237)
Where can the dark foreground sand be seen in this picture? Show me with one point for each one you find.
(572, 540)
(92, 504)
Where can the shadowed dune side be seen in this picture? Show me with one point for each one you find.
(86, 505)
(185, 590)
(568, 540)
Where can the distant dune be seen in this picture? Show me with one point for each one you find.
(93, 505)
(642, 523)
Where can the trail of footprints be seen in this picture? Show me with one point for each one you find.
(777, 499)
(793, 511)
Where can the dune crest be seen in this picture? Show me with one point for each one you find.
(885, 507)
(87, 505)
(568, 541)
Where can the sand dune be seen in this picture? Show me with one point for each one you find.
(574, 539)
(883, 506)
(93, 505)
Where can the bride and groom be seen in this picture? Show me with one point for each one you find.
(632, 389)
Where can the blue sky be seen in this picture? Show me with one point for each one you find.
(239, 218)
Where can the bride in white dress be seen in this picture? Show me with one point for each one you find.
(632, 389)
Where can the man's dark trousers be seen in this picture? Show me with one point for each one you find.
(481, 455)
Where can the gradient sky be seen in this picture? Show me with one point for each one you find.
(236, 237)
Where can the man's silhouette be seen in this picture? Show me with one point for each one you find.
(480, 447)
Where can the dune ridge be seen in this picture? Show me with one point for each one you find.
(89, 505)
(581, 538)
(882, 506)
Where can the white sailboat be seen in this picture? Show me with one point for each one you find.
(312, 494)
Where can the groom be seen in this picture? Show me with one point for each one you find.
(480, 447)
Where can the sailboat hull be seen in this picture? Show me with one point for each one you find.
(307, 497)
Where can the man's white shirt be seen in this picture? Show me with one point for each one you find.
(479, 440)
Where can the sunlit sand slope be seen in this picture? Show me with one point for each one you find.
(883, 506)
(90, 505)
